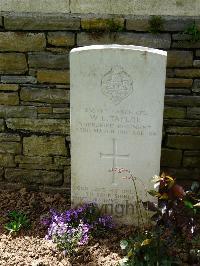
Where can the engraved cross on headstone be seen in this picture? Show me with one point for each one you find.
(114, 156)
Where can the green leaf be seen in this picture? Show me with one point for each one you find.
(123, 244)
(154, 193)
(188, 204)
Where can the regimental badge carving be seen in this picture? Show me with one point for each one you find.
(117, 85)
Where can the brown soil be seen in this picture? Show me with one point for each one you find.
(30, 248)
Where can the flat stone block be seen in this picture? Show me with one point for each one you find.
(17, 111)
(38, 21)
(171, 158)
(179, 59)
(102, 24)
(193, 162)
(22, 42)
(196, 63)
(18, 79)
(26, 176)
(51, 126)
(188, 73)
(196, 86)
(11, 98)
(184, 130)
(9, 87)
(177, 24)
(59, 96)
(193, 112)
(183, 142)
(48, 60)
(35, 160)
(174, 112)
(126, 38)
(12, 63)
(7, 160)
(186, 44)
(6, 137)
(10, 147)
(138, 23)
(178, 83)
(61, 38)
(2, 125)
(182, 100)
(53, 76)
(44, 146)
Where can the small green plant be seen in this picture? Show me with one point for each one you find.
(114, 25)
(194, 32)
(18, 220)
(155, 24)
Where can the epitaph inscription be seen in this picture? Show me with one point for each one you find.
(117, 84)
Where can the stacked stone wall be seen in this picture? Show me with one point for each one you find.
(35, 88)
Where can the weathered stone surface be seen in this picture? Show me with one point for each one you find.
(142, 39)
(1, 173)
(44, 110)
(17, 111)
(184, 130)
(41, 22)
(10, 147)
(192, 153)
(18, 79)
(2, 125)
(48, 60)
(182, 100)
(44, 95)
(11, 98)
(102, 24)
(138, 23)
(191, 162)
(182, 122)
(7, 160)
(174, 112)
(35, 160)
(51, 126)
(171, 158)
(183, 142)
(40, 166)
(5, 137)
(63, 110)
(177, 24)
(178, 91)
(196, 63)
(44, 146)
(181, 37)
(62, 160)
(22, 42)
(12, 63)
(198, 53)
(67, 175)
(9, 87)
(53, 76)
(193, 112)
(185, 44)
(179, 58)
(178, 83)
(61, 38)
(33, 176)
(188, 73)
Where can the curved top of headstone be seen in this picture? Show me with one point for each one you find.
(119, 47)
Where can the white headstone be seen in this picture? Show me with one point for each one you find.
(117, 101)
